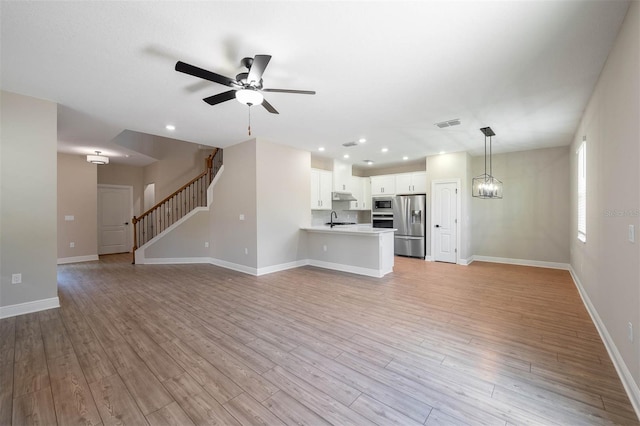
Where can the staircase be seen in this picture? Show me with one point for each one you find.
(168, 211)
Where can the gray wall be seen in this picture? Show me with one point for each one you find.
(532, 220)
(607, 265)
(283, 200)
(28, 198)
(77, 197)
(233, 195)
(181, 162)
(452, 166)
(186, 241)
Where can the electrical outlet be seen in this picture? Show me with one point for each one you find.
(16, 278)
(206, 244)
(630, 332)
(72, 244)
(246, 251)
(69, 218)
(241, 217)
(632, 234)
(324, 248)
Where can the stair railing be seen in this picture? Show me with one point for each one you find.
(168, 211)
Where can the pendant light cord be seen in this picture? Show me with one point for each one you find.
(485, 158)
(490, 159)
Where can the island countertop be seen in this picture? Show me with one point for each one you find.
(360, 229)
(359, 249)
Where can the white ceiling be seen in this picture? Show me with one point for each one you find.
(384, 70)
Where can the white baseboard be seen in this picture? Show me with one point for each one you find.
(234, 266)
(428, 258)
(352, 269)
(281, 267)
(29, 307)
(633, 391)
(76, 259)
(466, 262)
(521, 262)
(175, 260)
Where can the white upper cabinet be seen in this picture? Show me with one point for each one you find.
(383, 185)
(321, 185)
(366, 194)
(411, 183)
(341, 176)
(361, 190)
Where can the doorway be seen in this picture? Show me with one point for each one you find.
(149, 196)
(445, 209)
(115, 211)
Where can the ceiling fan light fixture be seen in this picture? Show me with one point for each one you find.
(97, 159)
(249, 97)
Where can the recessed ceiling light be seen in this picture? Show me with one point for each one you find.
(346, 156)
(362, 140)
(405, 158)
(170, 127)
(321, 148)
(369, 162)
(442, 152)
(385, 149)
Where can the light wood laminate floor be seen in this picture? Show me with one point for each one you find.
(430, 344)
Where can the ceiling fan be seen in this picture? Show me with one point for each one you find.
(246, 87)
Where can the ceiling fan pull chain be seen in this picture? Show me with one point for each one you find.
(249, 120)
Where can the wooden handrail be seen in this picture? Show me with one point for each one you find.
(183, 200)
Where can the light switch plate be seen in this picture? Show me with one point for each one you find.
(241, 217)
(632, 234)
(69, 218)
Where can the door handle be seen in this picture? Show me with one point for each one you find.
(126, 223)
(437, 226)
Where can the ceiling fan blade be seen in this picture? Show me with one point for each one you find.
(220, 97)
(207, 75)
(260, 62)
(299, 92)
(269, 107)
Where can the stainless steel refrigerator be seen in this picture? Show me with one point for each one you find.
(409, 218)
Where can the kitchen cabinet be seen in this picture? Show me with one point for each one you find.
(341, 176)
(321, 182)
(361, 190)
(411, 183)
(383, 185)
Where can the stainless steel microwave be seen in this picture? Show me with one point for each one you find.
(382, 205)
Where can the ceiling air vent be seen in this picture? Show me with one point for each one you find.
(448, 123)
(348, 144)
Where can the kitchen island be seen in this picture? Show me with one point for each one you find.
(359, 249)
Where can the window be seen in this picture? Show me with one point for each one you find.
(582, 191)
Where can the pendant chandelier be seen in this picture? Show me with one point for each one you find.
(485, 185)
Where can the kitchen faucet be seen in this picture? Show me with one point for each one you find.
(333, 212)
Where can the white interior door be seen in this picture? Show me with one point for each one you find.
(445, 207)
(114, 219)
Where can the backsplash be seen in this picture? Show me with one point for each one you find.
(320, 217)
